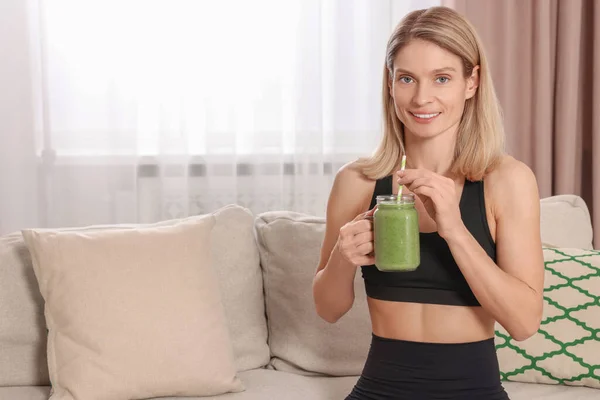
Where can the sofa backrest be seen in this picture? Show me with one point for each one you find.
(565, 222)
(288, 252)
(22, 324)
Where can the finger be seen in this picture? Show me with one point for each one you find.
(430, 192)
(423, 181)
(411, 171)
(414, 173)
(365, 215)
(417, 183)
(364, 237)
(366, 260)
(365, 249)
(371, 212)
(443, 190)
(364, 225)
(406, 190)
(406, 177)
(357, 227)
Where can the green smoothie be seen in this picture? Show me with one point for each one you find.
(396, 229)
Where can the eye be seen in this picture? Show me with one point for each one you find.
(442, 79)
(405, 79)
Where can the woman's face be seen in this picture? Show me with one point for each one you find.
(429, 89)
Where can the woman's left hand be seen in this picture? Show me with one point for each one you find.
(438, 195)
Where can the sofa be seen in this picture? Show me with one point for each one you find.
(282, 349)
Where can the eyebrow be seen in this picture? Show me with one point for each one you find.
(435, 71)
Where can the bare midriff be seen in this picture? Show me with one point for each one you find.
(431, 323)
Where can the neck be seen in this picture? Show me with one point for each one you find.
(435, 154)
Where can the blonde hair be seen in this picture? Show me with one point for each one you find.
(480, 136)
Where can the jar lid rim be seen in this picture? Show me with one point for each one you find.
(404, 198)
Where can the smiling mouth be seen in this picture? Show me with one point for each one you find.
(425, 116)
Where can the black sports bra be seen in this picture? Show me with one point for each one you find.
(437, 280)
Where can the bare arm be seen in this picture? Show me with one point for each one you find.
(333, 284)
(512, 290)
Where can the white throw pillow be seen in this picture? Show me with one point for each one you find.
(133, 313)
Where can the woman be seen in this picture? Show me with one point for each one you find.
(481, 253)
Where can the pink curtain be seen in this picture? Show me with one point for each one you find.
(545, 60)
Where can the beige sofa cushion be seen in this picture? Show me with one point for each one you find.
(566, 222)
(133, 313)
(22, 325)
(566, 349)
(236, 259)
(299, 339)
(268, 384)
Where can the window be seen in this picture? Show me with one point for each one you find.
(189, 77)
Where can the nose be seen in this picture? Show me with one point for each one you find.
(422, 95)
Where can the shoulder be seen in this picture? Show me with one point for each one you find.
(510, 173)
(352, 172)
(512, 181)
(351, 185)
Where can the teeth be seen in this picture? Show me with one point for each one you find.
(425, 115)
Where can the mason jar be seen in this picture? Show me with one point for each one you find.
(396, 231)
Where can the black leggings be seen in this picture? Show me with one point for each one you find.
(399, 369)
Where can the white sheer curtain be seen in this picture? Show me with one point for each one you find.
(135, 110)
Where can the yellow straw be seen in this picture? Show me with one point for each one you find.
(402, 166)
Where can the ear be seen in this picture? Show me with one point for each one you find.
(472, 83)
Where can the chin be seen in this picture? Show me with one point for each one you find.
(429, 130)
(424, 132)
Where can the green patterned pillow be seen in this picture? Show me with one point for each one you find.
(566, 349)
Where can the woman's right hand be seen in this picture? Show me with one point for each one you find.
(355, 241)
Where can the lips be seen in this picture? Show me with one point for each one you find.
(424, 118)
(425, 115)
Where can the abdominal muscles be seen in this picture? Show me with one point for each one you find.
(431, 323)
